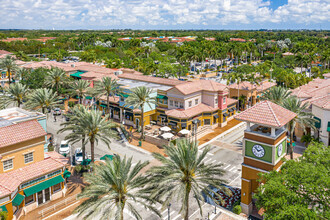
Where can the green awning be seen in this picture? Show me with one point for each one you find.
(44, 185)
(124, 95)
(103, 105)
(89, 97)
(18, 200)
(107, 156)
(77, 74)
(328, 129)
(318, 122)
(161, 97)
(66, 174)
(3, 208)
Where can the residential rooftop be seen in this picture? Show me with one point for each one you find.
(15, 115)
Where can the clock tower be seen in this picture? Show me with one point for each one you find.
(264, 145)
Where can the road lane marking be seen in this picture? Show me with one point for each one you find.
(178, 216)
(232, 168)
(226, 167)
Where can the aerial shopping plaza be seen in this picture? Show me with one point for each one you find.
(165, 110)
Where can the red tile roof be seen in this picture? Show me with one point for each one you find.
(230, 101)
(20, 132)
(200, 85)
(10, 181)
(5, 52)
(322, 102)
(188, 113)
(267, 113)
(151, 79)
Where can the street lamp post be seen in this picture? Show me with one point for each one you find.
(168, 211)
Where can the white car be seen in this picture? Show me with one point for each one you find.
(65, 148)
(57, 111)
(78, 156)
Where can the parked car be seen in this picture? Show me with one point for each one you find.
(65, 148)
(78, 155)
(57, 111)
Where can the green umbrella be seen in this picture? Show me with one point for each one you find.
(110, 157)
(86, 162)
(66, 174)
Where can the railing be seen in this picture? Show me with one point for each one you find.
(57, 205)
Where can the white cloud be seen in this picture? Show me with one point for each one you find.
(74, 14)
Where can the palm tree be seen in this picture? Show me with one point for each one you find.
(43, 99)
(22, 73)
(15, 93)
(140, 97)
(79, 88)
(112, 187)
(55, 78)
(73, 125)
(8, 63)
(182, 174)
(95, 128)
(108, 87)
(276, 94)
(303, 118)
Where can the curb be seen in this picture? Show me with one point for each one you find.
(222, 134)
(130, 145)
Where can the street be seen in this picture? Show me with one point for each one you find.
(231, 160)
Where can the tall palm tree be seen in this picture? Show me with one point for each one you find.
(55, 78)
(79, 88)
(43, 99)
(183, 174)
(95, 128)
(303, 118)
(140, 97)
(8, 63)
(73, 125)
(108, 87)
(22, 73)
(112, 187)
(15, 93)
(276, 94)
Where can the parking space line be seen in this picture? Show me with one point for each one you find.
(207, 160)
(164, 211)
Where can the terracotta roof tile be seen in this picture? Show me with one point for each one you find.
(200, 85)
(267, 113)
(188, 113)
(322, 102)
(5, 52)
(10, 181)
(23, 131)
(230, 101)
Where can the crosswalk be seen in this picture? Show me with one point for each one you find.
(225, 166)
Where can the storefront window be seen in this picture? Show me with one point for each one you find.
(29, 199)
(56, 187)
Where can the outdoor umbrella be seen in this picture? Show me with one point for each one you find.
(165, 128)
(167, 135)
(107, 156)
(66, 174)
(184, 132)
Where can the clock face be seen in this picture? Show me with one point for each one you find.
(279, 150)
(258, 150)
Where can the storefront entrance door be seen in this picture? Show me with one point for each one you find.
(43, 196)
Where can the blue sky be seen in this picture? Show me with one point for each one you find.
(165, 14)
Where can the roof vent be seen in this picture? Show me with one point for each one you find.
(73, 65)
